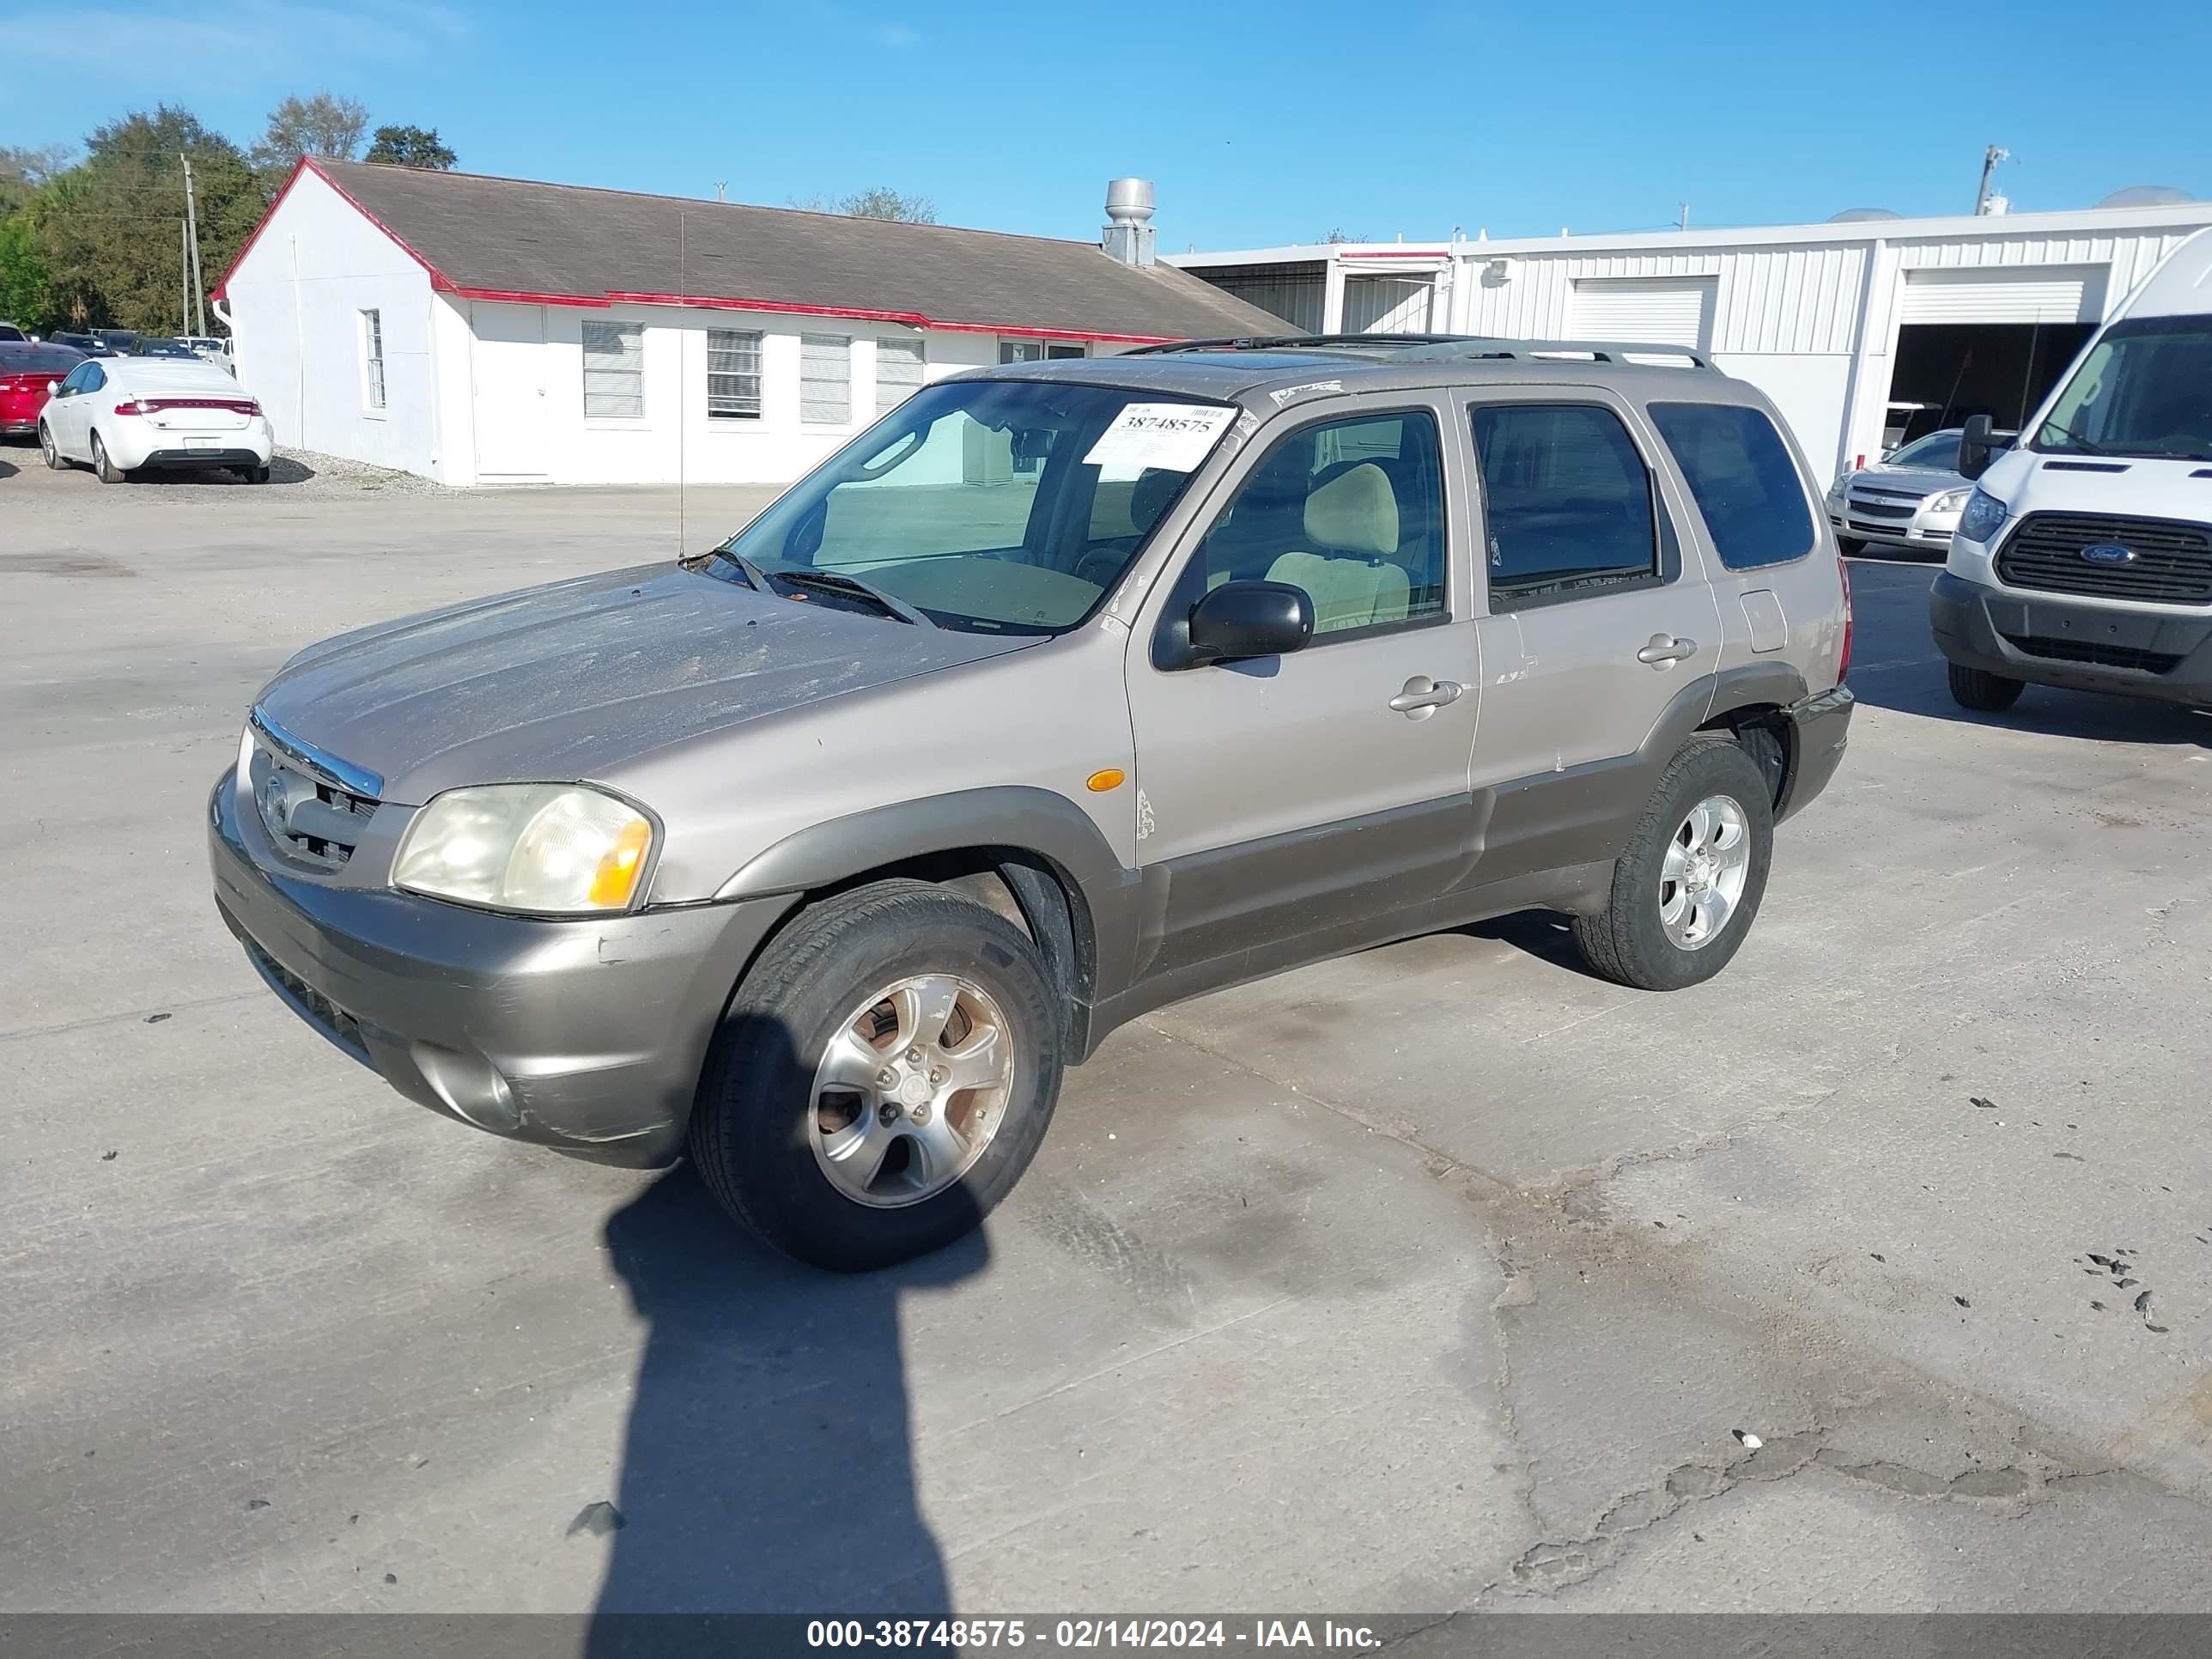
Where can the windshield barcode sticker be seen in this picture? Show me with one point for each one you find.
(1173, 437)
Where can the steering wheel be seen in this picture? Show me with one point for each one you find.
(1109, 558)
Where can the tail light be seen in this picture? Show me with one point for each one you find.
(1844, 667)
(155, 405)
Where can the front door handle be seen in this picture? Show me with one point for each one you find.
(1664, 652)
(1423, 696)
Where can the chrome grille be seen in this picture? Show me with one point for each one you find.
(313, 805)
(2172, 561)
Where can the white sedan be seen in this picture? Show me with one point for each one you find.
(121, 413)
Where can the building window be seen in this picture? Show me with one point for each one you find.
(898, 372)
(825, 379)
(372, 359)
(733, 374)
(614, 372)
(1038, 351)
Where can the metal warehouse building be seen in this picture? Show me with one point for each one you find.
(1862, 330)
(488, 330)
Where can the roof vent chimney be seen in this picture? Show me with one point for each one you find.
(1129, 233)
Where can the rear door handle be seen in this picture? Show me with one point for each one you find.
(1423, 696)
(1663, 651)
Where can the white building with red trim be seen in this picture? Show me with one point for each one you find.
(479, 330)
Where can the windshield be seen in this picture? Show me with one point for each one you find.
(1938, 451)
(2144, 389)
(1004, 507)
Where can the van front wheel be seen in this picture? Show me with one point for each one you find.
(883, 1078)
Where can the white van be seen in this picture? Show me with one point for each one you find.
(2084, 557)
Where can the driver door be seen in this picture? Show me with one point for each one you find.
(1287, 798)
(64, 410)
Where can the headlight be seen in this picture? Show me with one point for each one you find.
(544, 848)
(1949, 501)
(1836, 490)
(1984, 517)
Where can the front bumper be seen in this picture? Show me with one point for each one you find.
(2081, 648)
(1924, 532)
(585, 1035)
(1819, 728)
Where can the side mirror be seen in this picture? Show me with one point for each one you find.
(1250, 619)
(1978, 446)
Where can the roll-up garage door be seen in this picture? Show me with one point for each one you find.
(1656, 310)
(2037, 293)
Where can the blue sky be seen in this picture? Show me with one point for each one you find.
(1261, 124)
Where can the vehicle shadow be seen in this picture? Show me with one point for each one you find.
(282, 469)
(9, 468)
(767, 1466)
(1895, 665)
(1547, 935)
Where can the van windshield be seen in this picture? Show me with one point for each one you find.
(2145, 389)
(1004, 507)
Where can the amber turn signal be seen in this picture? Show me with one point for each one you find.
(1099, 782)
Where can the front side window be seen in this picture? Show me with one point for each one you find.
(1566, 502)
(74, 381)
(733, 374)
(1352, 512)
(898, 373)
(614, 372)
(825, 379)
(2145, 389)
(930, 506)
(372, 358)
(1742, 479)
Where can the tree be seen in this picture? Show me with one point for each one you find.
(321, 126)
(107, 230)
(878, 202)
(23, 170)
(410, 147)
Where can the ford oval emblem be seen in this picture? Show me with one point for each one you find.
(2108, 553)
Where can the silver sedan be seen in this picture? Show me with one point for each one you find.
(1910, 499)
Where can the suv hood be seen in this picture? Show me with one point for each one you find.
(566, 681)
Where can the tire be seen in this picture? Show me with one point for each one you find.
(54, 456)
(104, 469)
(1638, 938)
(1982, 691)
(764, 1123)
(1850, 546)
(255, 474)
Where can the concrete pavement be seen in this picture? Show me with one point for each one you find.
(1442, 1277)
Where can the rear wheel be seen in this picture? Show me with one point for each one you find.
(54, 457)
(884, 1077)
(1984, 692)
(1684, 892)
(254, 474)
(107, 471)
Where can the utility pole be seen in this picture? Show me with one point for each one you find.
(720, 186)
(184, 278)
(1685, 224)
(193, 241)
(1991, 157)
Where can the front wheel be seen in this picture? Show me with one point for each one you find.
(53, 456)
(883, 1079)
(1982, 691)
(1685, 891)
(1850, 546)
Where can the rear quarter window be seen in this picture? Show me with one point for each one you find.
(1742, 479)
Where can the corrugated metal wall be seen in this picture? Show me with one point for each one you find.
(1794, 298)
(1385, 305)
(1296, 292)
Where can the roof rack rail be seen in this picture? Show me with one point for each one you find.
(1458, 348)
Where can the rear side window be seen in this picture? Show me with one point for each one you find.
(1566, 502)
(1741, 476)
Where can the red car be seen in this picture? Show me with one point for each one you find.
(28, 373)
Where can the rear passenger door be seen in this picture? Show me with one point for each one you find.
(1597, 616)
